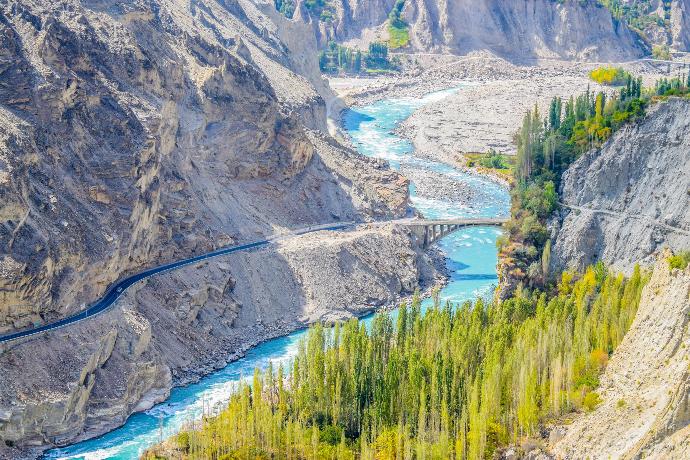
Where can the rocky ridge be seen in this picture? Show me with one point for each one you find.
(516, 30)
(632, 195)
(627, 203)
(680, 25)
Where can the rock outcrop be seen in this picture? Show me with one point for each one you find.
(631, 197)
(644, 411)
(133, 133)
(517, 29)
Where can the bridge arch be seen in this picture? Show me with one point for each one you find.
(427, 232)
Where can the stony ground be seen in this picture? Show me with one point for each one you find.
(487, 109)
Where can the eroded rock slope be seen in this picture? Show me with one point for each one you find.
(680, 24)
(133, 133)
(514, 29)
(645, 411)
(631, 197)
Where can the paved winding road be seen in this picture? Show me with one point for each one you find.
(618, 214)
(116, 290)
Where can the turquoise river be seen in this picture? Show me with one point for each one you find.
(471, 262)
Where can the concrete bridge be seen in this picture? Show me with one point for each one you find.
(427, 232)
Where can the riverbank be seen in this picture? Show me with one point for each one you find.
(342, 268)
(488, 111)
(438, 191)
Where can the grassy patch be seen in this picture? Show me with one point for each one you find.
(378, 71)
(591, 401)
(492, 162)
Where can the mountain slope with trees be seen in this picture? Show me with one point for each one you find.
(641, 179)
(451, 382)
(546, 147)
(664, 23)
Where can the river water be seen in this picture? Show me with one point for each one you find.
(471, 261)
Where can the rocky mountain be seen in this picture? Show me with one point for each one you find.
(625, 203)
(133, 133)
(518, 30)
(644, 390)
(125, 125)
(630, 198)
(660, 22)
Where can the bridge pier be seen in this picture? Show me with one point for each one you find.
(427, 232)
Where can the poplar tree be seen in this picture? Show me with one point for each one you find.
(453, 382)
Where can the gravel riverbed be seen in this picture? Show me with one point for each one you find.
(487, 110)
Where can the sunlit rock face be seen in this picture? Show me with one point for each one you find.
(634, 193)
(133, 133)
(519, 30)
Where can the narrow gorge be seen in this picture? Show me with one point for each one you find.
(307, 139)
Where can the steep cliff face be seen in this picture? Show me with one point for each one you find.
(631, 197)
(628, 200)
(524, 29)
(351, 18)
(132, 133)
(644, 411)
(535, 28)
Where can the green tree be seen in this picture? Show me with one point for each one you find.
(455, 381)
